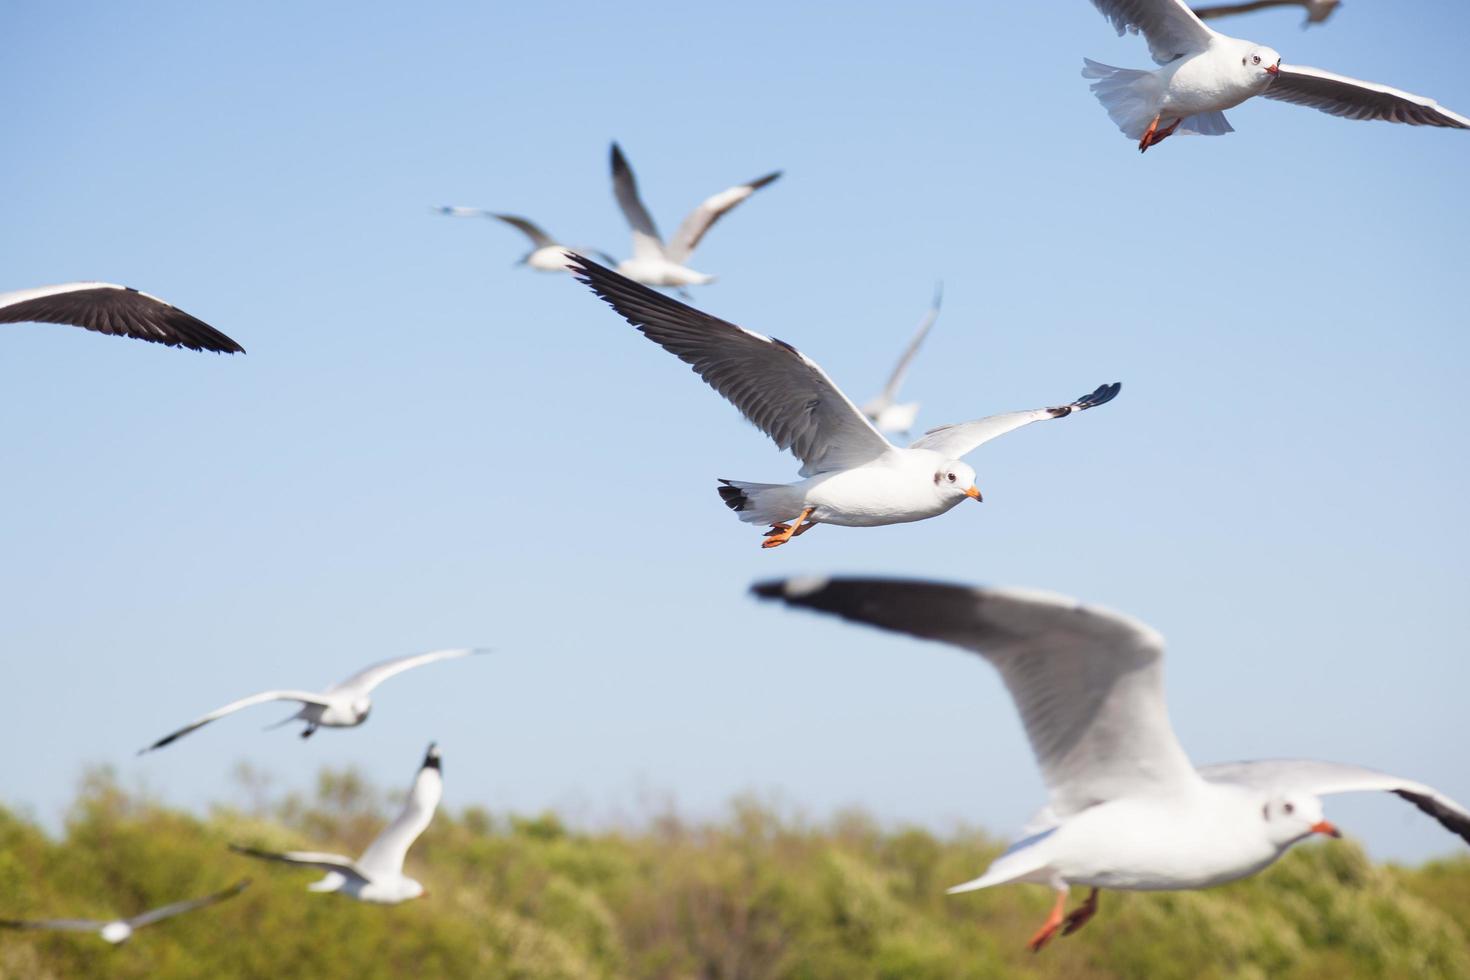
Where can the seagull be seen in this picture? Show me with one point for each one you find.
(547, 255)
(883, 411)
(378, 875)
(1127, 809)
(1317, 10)
(654, 263)
(852, 475)
(119, 310)
(118, 931)
(343, 705)
(1205, 72)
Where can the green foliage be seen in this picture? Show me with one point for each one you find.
(753, 896)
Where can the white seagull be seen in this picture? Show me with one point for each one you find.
(1127, 809)
(378, 875)
(118, 931)
(1317, 10)
(654, 263)
(1205, 72)
(546, 255)
(118, 310)
(884, 411)
(853, 476)
(343, 705)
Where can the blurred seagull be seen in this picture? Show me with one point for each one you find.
(378, 875)
(883, 411)
(1317, 10)
(546, 255)
(853, 476)
(343, 705)
(1127, 808)
(1205, 72)
(118, 310)
(118, 931)
(654, 263)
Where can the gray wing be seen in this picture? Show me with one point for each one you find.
(773, 384)
(1351, 98)
(646, 240)
(1170, 27)
(538, 237)
(69, 925)
(118, 310)
(710, 210)
(370, 677)
(1087, 682)
(895, 382)
(177, 908)
(954, 441)
(1231, 9)
(305, 697)
(385, 855)
(321, 860)
(1325, 778)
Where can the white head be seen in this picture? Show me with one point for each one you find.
(1294, 817)
(1260, 63)
(409, 889)
(117, 932)
(954, 481)
(361, 707)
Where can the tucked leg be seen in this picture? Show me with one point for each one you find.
(1154, 136)
(1081, 914)
(1148, 135)
(779, 534)
(803, 529)
(1052, 924)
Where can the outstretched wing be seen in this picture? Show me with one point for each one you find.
(773, 384)
(1087, 682)
(1231, 9)
(955, 441)
(895, 382)
(370, 677)
(385, 855)
(1325, 778)
(1170, 27)
(307, 859)
(1351, 98)
(305, 697)
(119, 310)
(712, 209)
(69, 925)
(177, 908)
(646, 241)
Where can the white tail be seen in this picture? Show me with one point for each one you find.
(1131, 97)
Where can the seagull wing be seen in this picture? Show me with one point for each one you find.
(1231, 9)
(1170, 27)
(70, 925)
(321, 860)
(646, 242)
(177, 908)
(890, 391)
(955, 441)
(531, 230)
(712, 209)
(784, 393)
(305, 697)
(384, 856)
(370, 677)
(1087, 682)
(1339, 95)
(117, 310)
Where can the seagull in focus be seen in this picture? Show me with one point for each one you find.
(546, 255)
(343, 705)
(118, 931)
(377, 876)
(1127, 809)
(119, 310)
(1205, 72)
(1317, 10)
(852, 475)
(654, 263)
(884, 411)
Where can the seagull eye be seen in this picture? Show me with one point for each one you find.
(1255, 59)
(951, 478)
(1289, 809)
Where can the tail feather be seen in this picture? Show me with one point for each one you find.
(1205, 124)
(1130, 96)
(760, 503)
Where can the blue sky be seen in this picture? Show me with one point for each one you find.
(427, 447)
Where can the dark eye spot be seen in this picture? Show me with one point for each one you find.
(1289, 808)
(936, 479)
(951, 478)
(1265, 811)
(1255, 59)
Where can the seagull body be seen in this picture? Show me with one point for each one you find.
(343, 705)
(377, 876)
(885, 411)
(546, 255)
(655, 263)
(1317, 10)
(119, 310)
(1204, 72)
(1127, 808)
(117, 931)
(852, 475)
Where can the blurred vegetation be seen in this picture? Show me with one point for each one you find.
(755, 895)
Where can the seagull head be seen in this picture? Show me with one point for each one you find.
(956, 480)
(117, 932)
(1261, 61)
(1293, 818)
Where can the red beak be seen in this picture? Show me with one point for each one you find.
(1274, 69)
(1323, 827)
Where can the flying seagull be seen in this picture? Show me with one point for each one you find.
(378, 875)
(1317, 10)
(546, 255)
(1127, 808)
(343, 705)
(886, 414)
(654, 263)
(118, 310)
(121, 930)
(853, 476)
(1205, 72)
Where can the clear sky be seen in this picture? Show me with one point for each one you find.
(426, 447)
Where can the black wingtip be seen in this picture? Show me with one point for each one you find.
(615, 155)
(768, 590)
(769, 178)
(432, 759)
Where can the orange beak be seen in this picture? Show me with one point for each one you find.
(974, 492)
(1323, 827)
